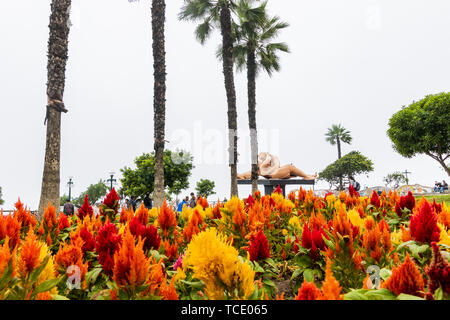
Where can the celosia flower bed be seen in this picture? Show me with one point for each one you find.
(332, 248)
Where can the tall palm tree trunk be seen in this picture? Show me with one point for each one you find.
(159, 96)
(338, 142)
(251, 91)
(56, 68)
(227, 47)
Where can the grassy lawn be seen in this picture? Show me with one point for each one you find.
(444, 198)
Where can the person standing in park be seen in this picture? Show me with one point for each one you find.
(69, 208)
(133, 202)
(182, 203)
(148, 203)
(193, 201)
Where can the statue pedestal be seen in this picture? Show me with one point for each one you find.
(271, 184)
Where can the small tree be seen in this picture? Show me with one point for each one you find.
(205, 187)
(140, 181)
(351, 164)
(394, 179)
(1, 200)
(336, 135)
(94, 192)
(423, 128)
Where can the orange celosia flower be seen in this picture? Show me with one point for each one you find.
(131, 266)
(155, 278)
(308, 291)
(192, 227)
(5, 255)
(170, 249)
(331, 290)
(49, 218)
(44, 296)
(280, 297)
(70, 255)
(10, 226)
(167, 291)
(406, 278)
(142, 214)
(29, 254)
(166, 218)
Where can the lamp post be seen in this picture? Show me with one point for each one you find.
(70, 185)
(111, 179)
(406, 176)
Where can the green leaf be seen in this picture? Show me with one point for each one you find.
(385, 273)
(356, 295)
(58, 297)
(380, 294)
(269, 283)
(92, 275)
(37, 272)
(194, 284)
(47, 285)
(404, 296)
(296, 273)
(438, 294)
(308, 275)
(4, 280)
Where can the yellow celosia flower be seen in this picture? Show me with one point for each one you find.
(396, 237)
(49, 271)
(284, 232)
(122, 229)
(355, 218)
(216, 262)
(232, 206)
(295, 222)
(444, 236)
(180, 275)
(186, 213)
(153, 213)
(331, 199)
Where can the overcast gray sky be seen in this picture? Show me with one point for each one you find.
(354, 62)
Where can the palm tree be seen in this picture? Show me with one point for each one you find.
(217, 14)
(254, 49)
(159, 96)
(56, 67)
(335, 135)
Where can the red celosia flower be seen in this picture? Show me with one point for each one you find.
(278, 190)
(437, 207)
(86, 209)
(312, 239)
(423, 225)
(308, 291)
(107, 242)
(151, 237)
(407, 202)
(405, 278)
(112, 201)
(250, 201)
(63, 221)
(438, 273)
(166, 218)
(352, 191)
(88, 239)
(259, 247)
(375, 199)
(136, 227)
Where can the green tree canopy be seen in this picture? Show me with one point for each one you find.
(94, 193)
(351, 164)
(423, 128)
(205, 187)
(394, 178)
(140, 181)
(1, 200)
